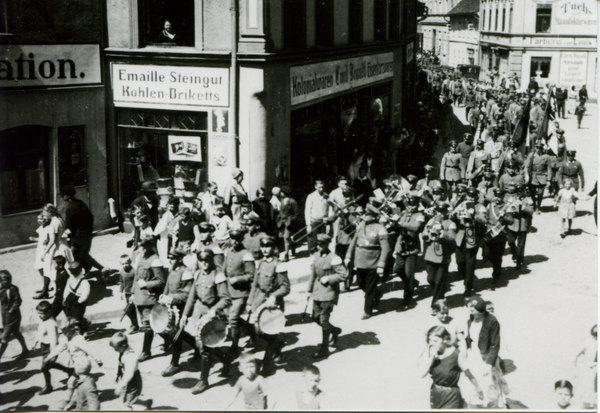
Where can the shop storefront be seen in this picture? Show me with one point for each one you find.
(52, 133)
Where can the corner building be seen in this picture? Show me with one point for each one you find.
(52, 112)
(284, 90)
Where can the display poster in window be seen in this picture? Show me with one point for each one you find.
(220, 121)
(219, 149)
(573, 69)
(574, 17)
(185, 148)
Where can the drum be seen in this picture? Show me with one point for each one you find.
(211, 332)
(163, 319)
(493, 232)
(270, 320)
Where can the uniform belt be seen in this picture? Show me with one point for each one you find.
(209, 305)
(265, 291)
(445, 387)
(369, 247)
(453, 167)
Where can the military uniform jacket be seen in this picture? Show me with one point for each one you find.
(522, 218)
(411, 224)
(178, 285)
(151, 270)
(506, 180)
(329, 265)
(271, 279)
(440, 251)
(424, 185)
(210, 289)
(347, 227)
(214, 247)
(450, 168)
(472, 237)
(495, 216)
(571, 170)
(370, 246)
(539, 168)
(252, 244)
(239, 263)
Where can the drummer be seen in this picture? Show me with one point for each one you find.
(210, 289)
(177, 288)
(327, 271)
(270, 285)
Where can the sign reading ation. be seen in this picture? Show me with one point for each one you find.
(313, 81)
(50, 65)
(170, 86)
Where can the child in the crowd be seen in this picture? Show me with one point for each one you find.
(77, 348)
(43, 237)
(441, 312)
(586, 363)
(77, 293)
(223, 224)
(47, 338)
(145, 227)
(489, 307)
(563, 391)
(253, 386)
(10, 301)
(129, 379)
(567, 197)
(86, 393)
(126, 276)
(579, 112)
(62, 278)
(310, 397)
(136, 214)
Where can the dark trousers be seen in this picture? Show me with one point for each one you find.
(404, 266)
(340, 251)
(178, 346)
(322, 313)
(131, 313)
(560, 107)
(51, 364)
(57, 306)
(437, 277)
(81, 247)
(465, 260)
(537, 195)
(316, 229)
(76, 310)
(493, 251)
(367, 281)
(517, 241)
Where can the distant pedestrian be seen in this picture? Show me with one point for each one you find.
(10, 301)
(251, 385)
(567, 198)
(126, 276)
(583, 95)
(580, 111)
(62, 278)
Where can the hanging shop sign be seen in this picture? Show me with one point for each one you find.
(313, 81)
(185, 148)
(573, 69)
(49, 65)
(171, 87)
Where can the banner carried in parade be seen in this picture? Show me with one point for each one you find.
(313, 81)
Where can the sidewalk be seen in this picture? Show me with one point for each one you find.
(106, 249)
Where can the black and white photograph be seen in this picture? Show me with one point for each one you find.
(338, 205)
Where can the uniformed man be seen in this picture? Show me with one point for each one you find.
(450, 167)
(498, 215)
(176, 292)
(486, 187)
(270, 285)
(512, 177)
(494, 149)
(470, 220)
(368, 253)
(465, 148)
(510, 154)
(522, 207)
(573, 170)
(208, 243)
(408, 247)
(316, 212)
(327, 271)
(212, 293)
(538, 170)
(438, 245)
(239, 269)
(148, 283)
(475, 165)
(256, 232)
(425, 185)
(458, 195)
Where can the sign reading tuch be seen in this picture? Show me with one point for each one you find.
(52, 65)
(313, 81)
(176, 87)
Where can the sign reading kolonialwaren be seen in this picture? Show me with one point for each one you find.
(49, 65)
(313, 81)
(175, 87)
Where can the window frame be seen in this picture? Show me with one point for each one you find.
(543, 18)
(148, 33)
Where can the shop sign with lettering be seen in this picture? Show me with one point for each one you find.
(313, 81)
(574, 17)
(573, 69)
(170, 87)
(49, 65)
(585, 42)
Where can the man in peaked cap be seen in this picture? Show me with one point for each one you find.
(207, 242)
(573, 170)
(426, 184)
(538, 170)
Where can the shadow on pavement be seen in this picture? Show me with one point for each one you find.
(21, 396)
(515, 404)
(98, 292)
(40, 408)
(184, 383)
(98, 331)
(13, 365)
(507, 366)
(19, 376)
(298, 318)
(107, 395)
(161, 408)
(582, 213)
(455, 301)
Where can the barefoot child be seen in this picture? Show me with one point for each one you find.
(129, 379)
(10, 301)
(253, 386)
(47, 338)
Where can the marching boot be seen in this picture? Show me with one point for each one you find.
(336, 331)
(235, 338)
(323, 352)
(202, 385)
(268, 365)
(146, 346)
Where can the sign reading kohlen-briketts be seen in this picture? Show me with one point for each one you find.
(49, 65)
(316, 80)
(174, 87)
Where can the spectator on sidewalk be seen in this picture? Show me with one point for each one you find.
(580, 112)
(10, 301)
(62, 278)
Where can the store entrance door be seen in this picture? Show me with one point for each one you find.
(72, 163)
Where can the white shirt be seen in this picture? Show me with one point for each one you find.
(316, 208)
(83, 291)
(48, 332)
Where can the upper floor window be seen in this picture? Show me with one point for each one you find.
(324, 22)
(483, 20)
(294, 29)
(381, 20)
(355, 20)
(394, 19)
(503, 19)
(490, 21)
(167, 22)
(543, 18)
(496, 19)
